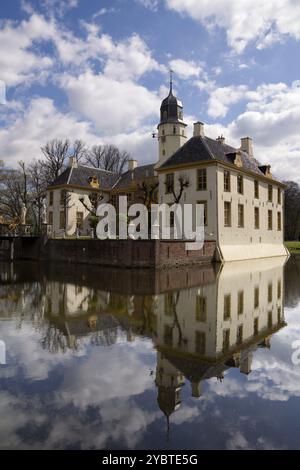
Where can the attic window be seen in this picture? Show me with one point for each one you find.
(235, 158)
(94, 182)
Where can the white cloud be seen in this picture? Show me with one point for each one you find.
(151, 4)
(221, 99)
(264, 22)
(18, 63)
(270, 115)
(111, 101)
(104, 11)
(127, 59)
(120, 105)
(58, 7)
(28, 128)
(185, 69)
(32, 127)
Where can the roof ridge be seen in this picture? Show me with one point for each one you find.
(137, 168)
(70, 175)
(120, 177)
(97, 169)
(207, 147)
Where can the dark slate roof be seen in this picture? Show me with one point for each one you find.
(171, 109)
(198, 149)
(194, 369)
(139, 174)
(80, 177)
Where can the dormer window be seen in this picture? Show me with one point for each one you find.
(94, 182)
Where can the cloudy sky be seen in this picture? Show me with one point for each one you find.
(98, 69)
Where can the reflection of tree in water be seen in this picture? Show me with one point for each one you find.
(55, 340)
(24, 301)
(106, 337)
(148, 327)
(172, 299)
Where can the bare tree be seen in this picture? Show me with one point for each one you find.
(183, 182)
(147, 192)
(79, 150)
(95, 156)
(37, 189)
(14, 192)
(95, 199)
(55, 153)
(107, 157)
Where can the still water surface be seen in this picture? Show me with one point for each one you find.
(183, 359)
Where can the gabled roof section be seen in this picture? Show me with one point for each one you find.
(139, 174)
(199, 148)
(80, 176)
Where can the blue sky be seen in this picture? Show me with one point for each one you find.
(98, 69)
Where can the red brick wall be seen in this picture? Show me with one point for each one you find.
(119, 253)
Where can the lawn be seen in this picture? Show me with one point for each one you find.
(293, 247)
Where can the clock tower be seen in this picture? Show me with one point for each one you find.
(171, 129)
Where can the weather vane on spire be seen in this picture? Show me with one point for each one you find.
(171, 80)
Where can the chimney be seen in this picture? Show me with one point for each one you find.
(198, 129)
(73, 163)
(246, 145)
(246, 362)
(132, 164)
(221, 139)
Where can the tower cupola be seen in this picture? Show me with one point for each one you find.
(171, 129)
(171, 108)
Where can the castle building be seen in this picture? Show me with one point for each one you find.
(243, 203)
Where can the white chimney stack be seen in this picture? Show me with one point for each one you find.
(132, 164)
(198, 129)
(221, 139)
(73, 163)
(246, 146)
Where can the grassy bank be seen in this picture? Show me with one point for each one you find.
(293, 247)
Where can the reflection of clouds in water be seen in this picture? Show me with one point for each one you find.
(17, 414)
(273, 376)
(118, 420)
(112, 373)
(238, 441)
(104, 381)
(187, 413)
(24, 351)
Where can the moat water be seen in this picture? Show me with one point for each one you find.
(96, 358)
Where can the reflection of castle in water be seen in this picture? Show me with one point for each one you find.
(205, 330)
(201, 321)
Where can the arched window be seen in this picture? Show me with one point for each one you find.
(174, 130)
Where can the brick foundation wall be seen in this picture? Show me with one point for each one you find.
(120, 281)
(117, 253)
(173, 253)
